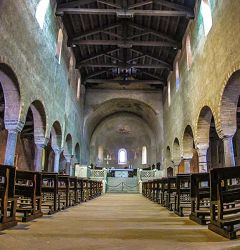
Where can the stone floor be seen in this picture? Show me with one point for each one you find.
(114, 221)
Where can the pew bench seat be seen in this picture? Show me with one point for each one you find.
(28, 214)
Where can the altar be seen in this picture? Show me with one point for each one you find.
(121, 172)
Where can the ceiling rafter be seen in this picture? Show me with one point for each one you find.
(151, 57)
(123, 65)
(95, 55)
(174, 6)
(124, 13)
(111, 46)
(137, 5)
(154, 32)
(76, 3)
(109, 4)
(95, 31)
(124, 82)
(125, 44)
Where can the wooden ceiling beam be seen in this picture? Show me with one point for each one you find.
(94, 55)
(137, 5)
(123, 13)
(152, 57)
(77, 3)
(109, 4)
(104, 81)
(96, 73)
(174, 6)
(154, 32)
(151, 75)
(122, 65)
(125, 44)
(95, 31)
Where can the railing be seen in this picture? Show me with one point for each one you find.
(147, 174)
(98, 173)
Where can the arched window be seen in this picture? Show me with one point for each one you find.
(41, 12)
(144, 155)
(100, 153)
(59, 45)
(78, 88)
(177, 77)
(122, 156)
(70, 68)
(188, 52)
(169, 93)
(207, 16)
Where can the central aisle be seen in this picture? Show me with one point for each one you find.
(114, 221)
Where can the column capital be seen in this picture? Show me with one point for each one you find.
(227, 137)
(56, 149)
(68, 157)
(14, 126)
(41, 141)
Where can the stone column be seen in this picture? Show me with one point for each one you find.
(13, 127)
(38, 157)
(228, 152)
(40, 143)
(202, 155)
(57, 153)
(68, 165)
(186, 163)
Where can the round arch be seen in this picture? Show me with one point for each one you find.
(56, 134)
(77, 152)
(68, 145)
(229, 104)
(176, 156)
(11, 91)
(188, 142)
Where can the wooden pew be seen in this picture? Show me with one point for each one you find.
(171, 193)
(99, 188)
(200, 198)
(155, 190)
(63, 191)
(8, 201)
(85, 192)
(163, 191)
(50, 197)
(28, 191)
(158, 194)
(144, 188)
(182, 201)
(79, 190)
(224, 204)
(72, 191)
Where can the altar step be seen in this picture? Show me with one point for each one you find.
(122, 185)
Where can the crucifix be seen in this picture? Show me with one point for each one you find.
(108, 158)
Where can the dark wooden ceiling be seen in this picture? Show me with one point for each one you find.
(125, 42)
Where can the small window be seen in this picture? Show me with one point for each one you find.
(188, 52)
(41, 11)
(59, 45)
(100, 154)
(169, 93)
(177, 77)
(207, 16)
(70, 69)
(122, 156)
(144, 155)
(78, 88)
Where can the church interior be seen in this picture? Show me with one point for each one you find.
(120, 124)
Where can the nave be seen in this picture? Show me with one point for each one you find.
(114, 221)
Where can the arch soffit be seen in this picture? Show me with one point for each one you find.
(108, 108)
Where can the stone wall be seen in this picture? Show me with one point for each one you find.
(102, 103)
(30, 52)
(215, 58)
